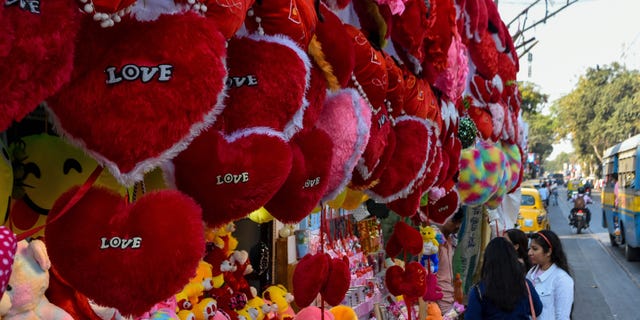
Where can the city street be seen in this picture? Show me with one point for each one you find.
(606, 285)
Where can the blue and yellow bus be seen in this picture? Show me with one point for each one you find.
(621, 195)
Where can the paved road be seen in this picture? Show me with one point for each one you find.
(606, 285)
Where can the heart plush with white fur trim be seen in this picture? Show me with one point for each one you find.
(141, 91)
(231, 176)
(409, 160)
(128, 256)
(36, 54)
(268, 77)
(307, 181)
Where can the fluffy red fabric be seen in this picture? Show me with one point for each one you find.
(404, 237)
(112, 251)
(68, 298)
(370, 68)
(411, 282)
(484, 55)
(8, 34)
(309, 277)
(338, 281)
(345, 118)
(377, 154)
(337, 46)
(39, 60)
(438, 38)
(228, 15)
(275, 96)
(408, 206)
(409, 31)
(409, 161)
(133, 125)
(315, 96)
(231, 176)
(308, 180)
(295, 19)
(397, 87)
(476, 13)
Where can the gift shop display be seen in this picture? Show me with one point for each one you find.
(254, 160)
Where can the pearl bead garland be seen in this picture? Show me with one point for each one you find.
(251, 13)
(106, 20)
(363, 94)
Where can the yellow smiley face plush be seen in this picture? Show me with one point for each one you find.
(49, 167)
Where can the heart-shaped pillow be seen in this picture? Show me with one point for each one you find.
(441, 209)
(307, 181)
(309, 277)
(410, 282)
(39, 60)
(409, 161)
(268, 77)
(8, 247)
(377, 153)
(231, 176)
(338, 281)
(295, 19)
(137, 97)
(345, 118)
(128, 256)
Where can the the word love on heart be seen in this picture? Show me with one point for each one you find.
(249, 80)
(230, 178)
(132, 72)
(120, 243)
(33, 6)
(310, 183)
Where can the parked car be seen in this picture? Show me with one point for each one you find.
(532, 216)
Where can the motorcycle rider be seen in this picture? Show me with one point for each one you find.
(580, 201)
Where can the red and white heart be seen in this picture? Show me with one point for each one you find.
(8, 247)
(307, 181)
(128, 256)
(409, 161)
(231, 176)
(141, 91)
(268, 77)
(36, 50)
(377, 153)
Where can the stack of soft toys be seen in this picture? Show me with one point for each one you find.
(173, 118)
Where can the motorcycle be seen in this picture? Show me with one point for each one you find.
(578, 219)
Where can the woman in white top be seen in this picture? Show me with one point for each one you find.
(550, 276)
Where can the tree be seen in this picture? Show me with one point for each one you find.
(602, 110)
(541, 128)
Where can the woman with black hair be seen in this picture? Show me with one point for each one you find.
(503, 292)
(550, 275)
(521, 243)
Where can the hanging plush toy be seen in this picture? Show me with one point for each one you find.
(430, 247)
(29, 281)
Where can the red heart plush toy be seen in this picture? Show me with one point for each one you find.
(410, 282)
(309, 277)
(268, 77)
(36, 54)
(231, 176)
(141, 91)
(307, 182)
(129, 256)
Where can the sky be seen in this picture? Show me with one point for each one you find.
(583, 35)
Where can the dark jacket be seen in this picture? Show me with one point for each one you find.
(481, 308)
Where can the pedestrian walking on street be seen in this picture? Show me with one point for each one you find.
(503, 292)
(550, 275)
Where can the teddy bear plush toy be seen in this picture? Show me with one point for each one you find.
(28, 283)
